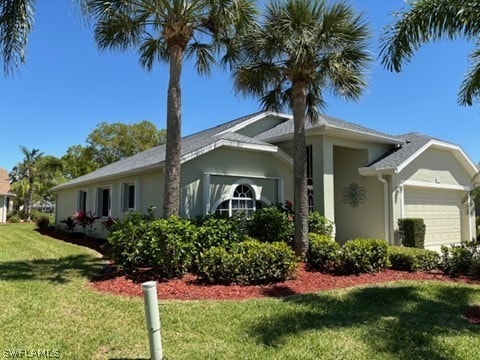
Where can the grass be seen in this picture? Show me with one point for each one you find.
(46, 304)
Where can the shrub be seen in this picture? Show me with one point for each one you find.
(13, 218)
(461, 259)
(270, 224)
(319, 224)
(167, 245)
(412, 259)
(216, 230)
(173, 246)
(363, 255)
(43, 222)
(412, 232)
(69, 223)
(248, 262)
(323, 252)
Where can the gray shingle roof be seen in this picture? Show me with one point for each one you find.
(155, 157)
(396, 157)
(286, 128)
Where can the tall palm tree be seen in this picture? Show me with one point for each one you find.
(430, 20)
(301, 50)
(170, 31)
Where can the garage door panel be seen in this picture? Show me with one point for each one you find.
(441, 211)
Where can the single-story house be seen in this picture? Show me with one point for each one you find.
(362, 179)
(6, 196)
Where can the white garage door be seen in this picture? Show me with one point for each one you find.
(441, 211)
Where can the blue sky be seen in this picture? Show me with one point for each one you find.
(67, 87)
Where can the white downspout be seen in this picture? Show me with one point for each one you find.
(469, 209)
(386, 206)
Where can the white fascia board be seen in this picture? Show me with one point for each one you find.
(353, 134)
(368, 171)
(429, 185)
(254, 119)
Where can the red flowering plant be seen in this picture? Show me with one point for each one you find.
(84, 219)
(108, 223)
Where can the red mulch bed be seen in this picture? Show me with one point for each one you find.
(190, 288)
(110, 280)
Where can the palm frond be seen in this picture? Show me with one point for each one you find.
(16, 22)
(205, 56)
(152, 49)
(470, 89)
(427, 21)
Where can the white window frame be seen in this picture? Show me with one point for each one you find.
(231, 210)
(125, 200)
(99, 207)
(82, 199)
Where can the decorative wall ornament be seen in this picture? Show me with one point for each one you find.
(354, 195)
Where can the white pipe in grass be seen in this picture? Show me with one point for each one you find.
(153, 319)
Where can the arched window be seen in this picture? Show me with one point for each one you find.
(243, 200)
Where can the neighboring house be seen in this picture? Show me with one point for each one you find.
(361, 179)
(6, 197)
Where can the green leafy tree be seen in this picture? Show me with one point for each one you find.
(31, 173)
(431, 20)
(79, 160)
(112, 142)
(108, 143)
(301, 50)
(169, 31)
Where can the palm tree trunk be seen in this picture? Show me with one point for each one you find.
(299, 170)
(28, 210)
(171, 203)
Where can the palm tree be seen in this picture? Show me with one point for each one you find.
(170, 31)
(431, 20)
(33, 173)
(301, 50)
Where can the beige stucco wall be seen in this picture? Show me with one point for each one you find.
(149, 191)
(436, 166)
(367, 219)
(335, 165)
(209, 179)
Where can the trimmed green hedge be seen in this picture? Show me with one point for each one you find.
(248, 262)
(363, 255)
(412, 232)
(412, 259)
(323, 252)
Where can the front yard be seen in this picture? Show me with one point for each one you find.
(46, 304)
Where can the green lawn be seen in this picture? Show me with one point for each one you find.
(46, 304)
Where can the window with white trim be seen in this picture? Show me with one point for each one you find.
(82, 201)
(104, 201)
(128, 197)
(242, 201)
